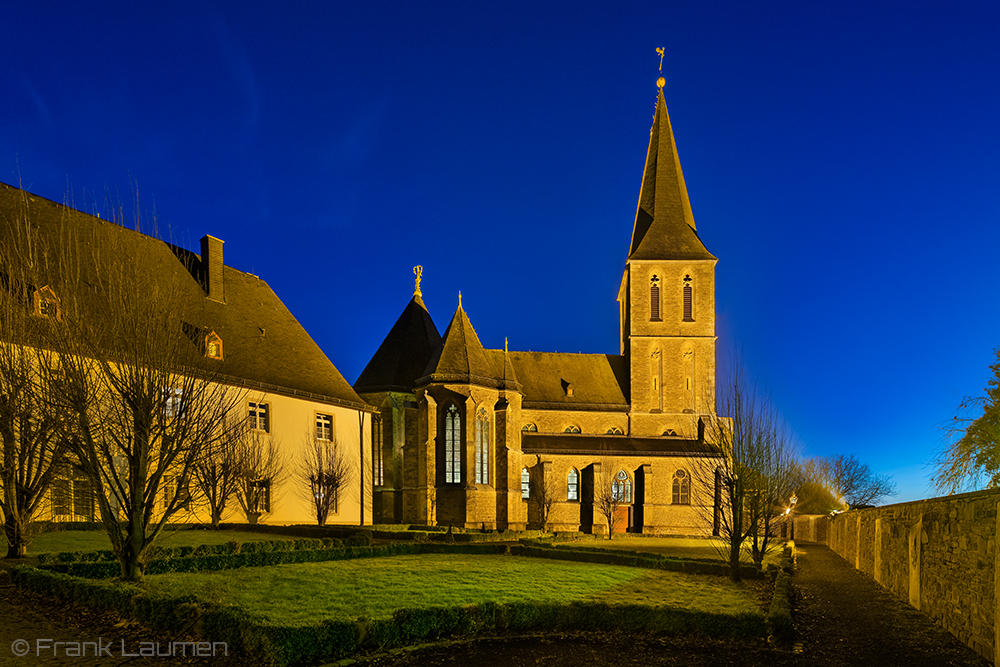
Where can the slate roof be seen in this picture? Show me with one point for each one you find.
(611, 445)
(264, 346)
(461, 357)
(598, 381)
(664, 225)
(403, 356)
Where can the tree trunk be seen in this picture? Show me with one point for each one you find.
(216, 518)
(17, 546)
(734, 561)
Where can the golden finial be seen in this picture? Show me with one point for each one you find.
(505, 345)
(418, 271)
(459, 298)
(661, 81)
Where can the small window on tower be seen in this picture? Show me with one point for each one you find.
(654, 299)
(687, 300)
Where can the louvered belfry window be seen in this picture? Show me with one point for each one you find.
(452, 446)
(654, 299)
(687, 299)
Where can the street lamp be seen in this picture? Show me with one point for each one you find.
(791, 533)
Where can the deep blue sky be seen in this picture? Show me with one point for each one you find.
(843, 162)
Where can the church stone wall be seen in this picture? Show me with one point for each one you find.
(589, 422)
(940, 555)
(652, 493)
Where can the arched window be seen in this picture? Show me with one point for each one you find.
(525, 484)
(573, 485)
(452, 445)
(614, 430)
(530, 428)
(654, 299)
(572, 429)
(482, 447)
(688, 317)
(621, 488)
(682, 488)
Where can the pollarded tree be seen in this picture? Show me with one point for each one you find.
(262, 468)
(31, 449)
(216, 474)
(971, 458)
(144, 391)
(324, 470)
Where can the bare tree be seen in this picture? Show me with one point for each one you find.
(771, 484)
(749, 476)
(970, 459)
(262, 468)
(324, 470)
(30, 424)
(543, 492)
(612, 491)
(145, 398)
(217, 472)
(850, 480)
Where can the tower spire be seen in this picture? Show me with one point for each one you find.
(664, 225)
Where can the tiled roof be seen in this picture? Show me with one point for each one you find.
(264, 346)
(664, 225)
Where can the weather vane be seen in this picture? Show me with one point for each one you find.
(661, 81)
(660, 51)
(417, 271)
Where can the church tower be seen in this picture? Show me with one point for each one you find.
(667, 300)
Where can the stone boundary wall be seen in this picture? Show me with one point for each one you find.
(940, 555)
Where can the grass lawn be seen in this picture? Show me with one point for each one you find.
(682, 547)
(303, 594)
(97, 540)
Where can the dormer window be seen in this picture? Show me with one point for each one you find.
(213, 346)
(46, 304)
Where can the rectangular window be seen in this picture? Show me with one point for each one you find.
(171, 488)
(260, 495)
(62, 496)
(259, 419)
(324, 427)
(173, 401)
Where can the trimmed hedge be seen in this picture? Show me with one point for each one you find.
(779, 616)
(257, 554)
(631, 559)
(331, 640)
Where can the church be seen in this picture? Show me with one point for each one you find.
(471, 437)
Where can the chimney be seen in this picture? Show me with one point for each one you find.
(211, 267)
